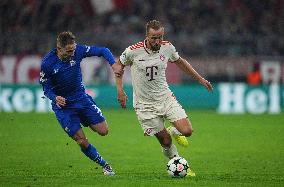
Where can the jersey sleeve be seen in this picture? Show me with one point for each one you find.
(44, 80)
(126, 58)
(173, 54)
(88, 51)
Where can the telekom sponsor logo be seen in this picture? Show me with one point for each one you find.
(162, 57)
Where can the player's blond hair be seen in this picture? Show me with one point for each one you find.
(65, 38)
(153, 24)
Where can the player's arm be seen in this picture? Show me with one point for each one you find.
(126, 58)
(106, 54)
(44, 80)
(189, 70)
(121, 96)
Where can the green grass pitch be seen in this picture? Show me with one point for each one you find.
(225, 150)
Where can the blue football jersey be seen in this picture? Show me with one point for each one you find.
(64, 78)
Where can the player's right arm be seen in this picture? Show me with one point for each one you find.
(121, 95)
(44, 80)
(125, 59)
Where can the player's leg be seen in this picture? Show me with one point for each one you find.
(155, 126)
(179, 130)
(168, 148)
(101, 128)
(182, 127)
(70, 122)
(92, 116)
(90, 151)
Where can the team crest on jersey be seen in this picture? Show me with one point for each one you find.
(162, 57)
(72, 62)
(148, 132)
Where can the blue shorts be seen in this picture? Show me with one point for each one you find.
(84, 111)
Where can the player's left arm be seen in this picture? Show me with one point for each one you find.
(189, 70)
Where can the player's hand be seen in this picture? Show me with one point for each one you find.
(117, 69)
(60, 101)
(122, 98)
(206, 84)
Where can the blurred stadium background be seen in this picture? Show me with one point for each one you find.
(234, 41)
(238, 45)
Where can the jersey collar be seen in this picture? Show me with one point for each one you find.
(149, 51)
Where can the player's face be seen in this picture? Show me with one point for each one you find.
(154, 38)
(66, 52)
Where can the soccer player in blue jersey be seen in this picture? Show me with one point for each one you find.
(61, 79)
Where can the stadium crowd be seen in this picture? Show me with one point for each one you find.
(207, 28)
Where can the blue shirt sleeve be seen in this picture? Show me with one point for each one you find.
(88, 51)
(44, 80)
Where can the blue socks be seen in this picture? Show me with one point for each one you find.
(92, 153)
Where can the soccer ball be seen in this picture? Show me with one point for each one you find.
(177, 167)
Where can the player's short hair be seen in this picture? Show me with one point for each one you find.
(153, 24)
(65, 38)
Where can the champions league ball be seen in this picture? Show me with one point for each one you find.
(177, 167)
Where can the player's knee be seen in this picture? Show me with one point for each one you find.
(83, 143)
(188, 132)
(103, 132)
